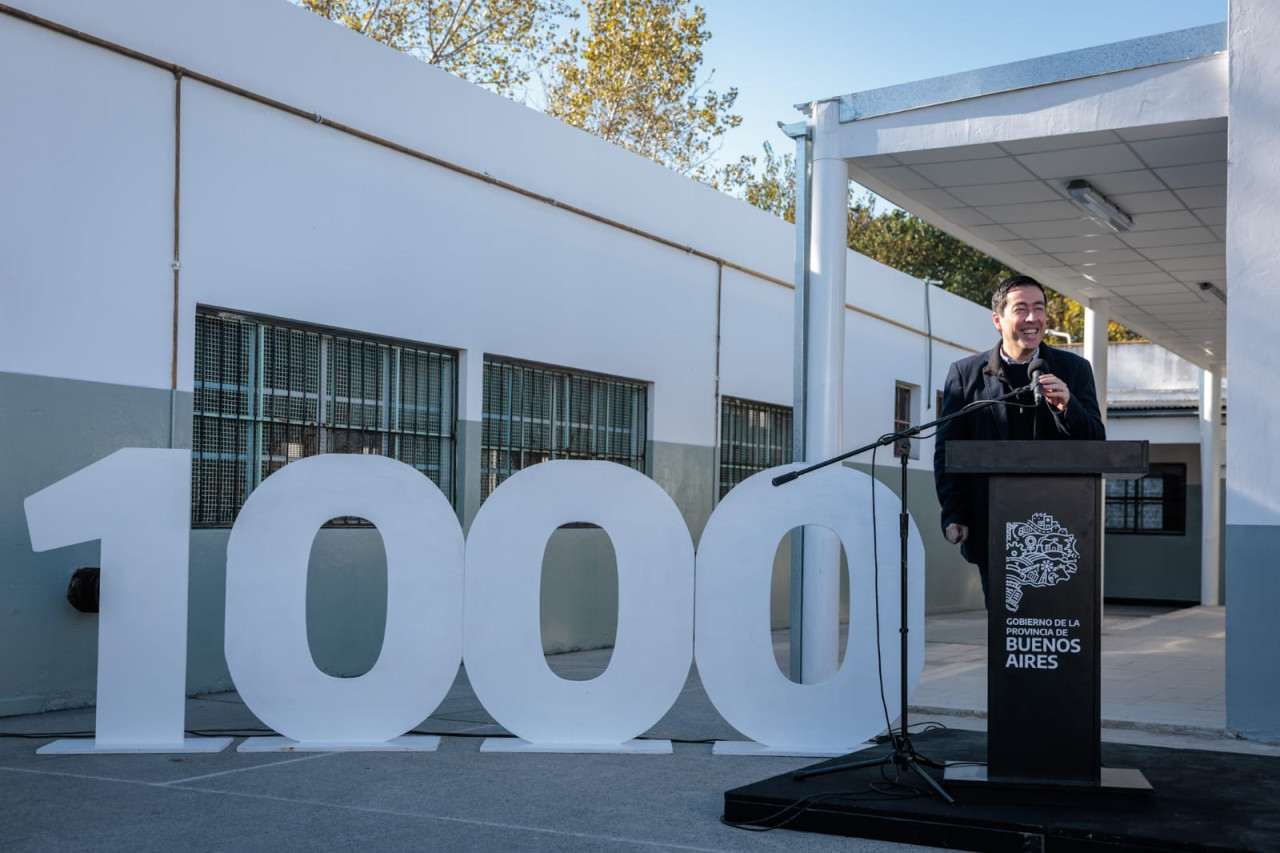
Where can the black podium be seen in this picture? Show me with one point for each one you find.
(1044, 704)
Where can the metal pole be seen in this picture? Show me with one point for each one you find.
(804, 178)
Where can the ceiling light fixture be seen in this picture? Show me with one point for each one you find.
(1098, 208)
(1213, 290)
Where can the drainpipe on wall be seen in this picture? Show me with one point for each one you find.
(175, 264)
(928, 356)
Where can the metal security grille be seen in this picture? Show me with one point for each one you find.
(267, 395)
(753, 437)
(1154, 504)
(533, 413)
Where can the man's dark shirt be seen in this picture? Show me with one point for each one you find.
(984, 377)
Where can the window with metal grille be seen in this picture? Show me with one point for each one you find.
(1154, 504)
(533, 413)
(753, 437)
(267, 394)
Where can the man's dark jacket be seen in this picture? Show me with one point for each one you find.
(982, 377)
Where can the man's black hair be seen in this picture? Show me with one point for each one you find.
(1001, 294)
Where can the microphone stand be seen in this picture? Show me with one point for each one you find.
(904, 756)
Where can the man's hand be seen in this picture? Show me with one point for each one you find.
(957, 534)
(1055, 391)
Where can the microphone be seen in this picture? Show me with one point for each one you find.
(1035, 370)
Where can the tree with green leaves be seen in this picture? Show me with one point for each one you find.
(773, 190)
(632, 78)
(897, 239)
(498, 44)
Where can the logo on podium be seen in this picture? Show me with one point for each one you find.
(1040, 552)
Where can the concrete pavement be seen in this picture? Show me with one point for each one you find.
(1163, 684)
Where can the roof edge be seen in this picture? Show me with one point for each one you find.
(1176, 46)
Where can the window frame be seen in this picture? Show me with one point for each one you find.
(405, 419)
(779, 450)
(1172, 500)
(558, 424)
(904, 418)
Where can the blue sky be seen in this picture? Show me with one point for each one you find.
(780, 53)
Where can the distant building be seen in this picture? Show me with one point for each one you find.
(1154, 524)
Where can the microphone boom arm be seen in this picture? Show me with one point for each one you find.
(783, 479)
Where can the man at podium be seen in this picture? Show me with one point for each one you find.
(1066, 407)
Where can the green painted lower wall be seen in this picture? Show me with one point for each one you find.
(687, 474)
(1253, 667)
(346, 605)
(579, 594)
(49, 429)
(467, 457)
(1161, 567)
(1156, 567)
(950, 583)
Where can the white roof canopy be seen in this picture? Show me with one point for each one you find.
(987, 156)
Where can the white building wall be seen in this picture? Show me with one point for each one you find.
(292, 219)
(331, 230)
(756, 351)
(1157, 430)
(284, 216)
(885, 343)
(86, 211)
(1151, 370)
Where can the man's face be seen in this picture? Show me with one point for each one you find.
(1021, 323)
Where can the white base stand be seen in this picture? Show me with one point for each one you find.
(750, 747)
(631, 747)
(88, 746)
(404, 743)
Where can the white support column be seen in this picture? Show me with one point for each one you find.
(824, 397)
(1097, 317)
(1210, 483)
(1253, 326)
